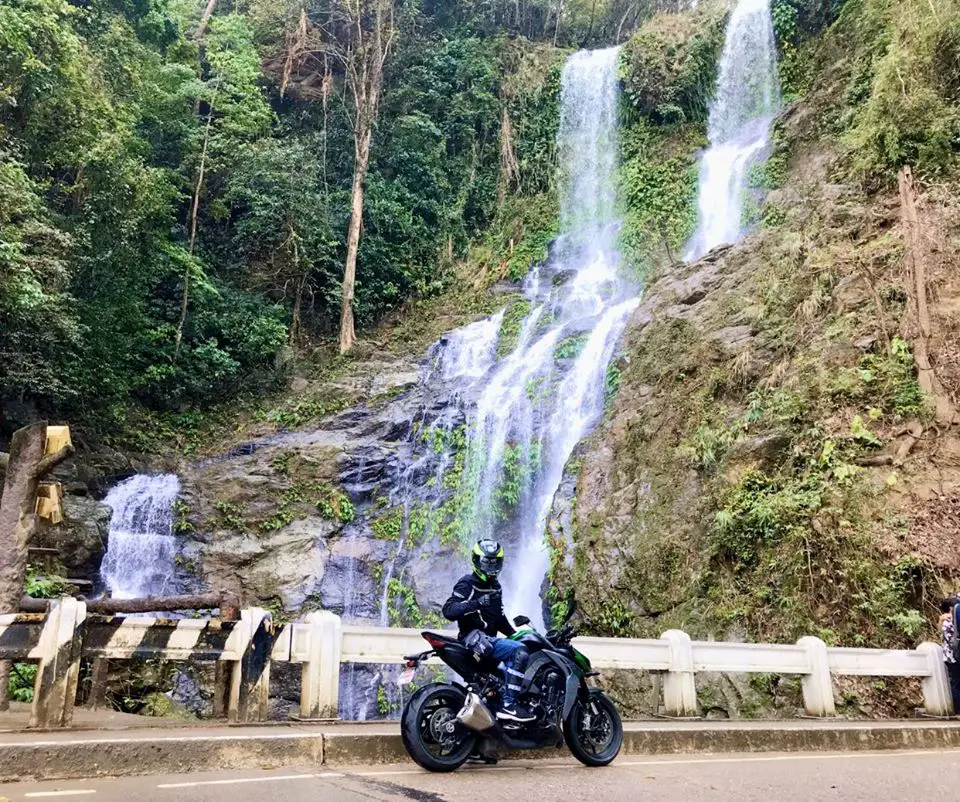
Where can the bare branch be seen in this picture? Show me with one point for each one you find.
(51, 461)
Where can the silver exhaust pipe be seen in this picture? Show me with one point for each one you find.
(475, 714)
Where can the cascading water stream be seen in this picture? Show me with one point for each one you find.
(534, 406)
(141, 550)
(741, 115)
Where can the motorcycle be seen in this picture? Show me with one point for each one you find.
(445, 723)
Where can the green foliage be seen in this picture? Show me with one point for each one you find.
(335, 505)
(613, 620)
(181, 517)
(21, 682)
(231, 516)
(772, 173)
(383, 701)
(113, 119)
(887, 381)
(520, 463)
(905, 87)
(511, 325)
(571, 347)
(612, 380)
(281, 462)
(797, 24)
(669, 66)
(40, 586)
(404, 611)
(389, 526)
(761, 511)
(295, 412)
(659, 189)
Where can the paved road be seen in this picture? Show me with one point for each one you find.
(929, 775)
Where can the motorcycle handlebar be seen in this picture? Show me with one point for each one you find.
(563, 636)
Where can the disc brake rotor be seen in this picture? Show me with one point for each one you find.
(442, 725)
(597, 729)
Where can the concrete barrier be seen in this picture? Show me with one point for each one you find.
(320, 643)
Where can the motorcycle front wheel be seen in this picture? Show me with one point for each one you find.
(593, 730)
(431, 733)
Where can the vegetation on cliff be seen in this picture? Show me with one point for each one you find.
(771, 466)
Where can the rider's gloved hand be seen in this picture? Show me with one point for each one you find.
(491, 601)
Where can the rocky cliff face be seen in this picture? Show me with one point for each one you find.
(770, 466)
(346, 516)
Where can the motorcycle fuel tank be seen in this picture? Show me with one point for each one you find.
(475, 714)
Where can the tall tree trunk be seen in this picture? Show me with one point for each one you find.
(347, 333)
(194, 211)
(556, 31)
(622, 22)
(301, 281)
(593, 17)
(204, 20)
(916, 323)
(26, 466)
(365, 79)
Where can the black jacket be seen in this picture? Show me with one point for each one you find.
(463, 606)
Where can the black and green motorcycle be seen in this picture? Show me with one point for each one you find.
(445, 723)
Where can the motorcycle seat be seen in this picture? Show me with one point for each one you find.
(462, 657)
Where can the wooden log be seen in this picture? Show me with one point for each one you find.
(917, 325)
(18, 520)
(17, 505)
(156, 604)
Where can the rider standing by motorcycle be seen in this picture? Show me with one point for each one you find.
(477, 606)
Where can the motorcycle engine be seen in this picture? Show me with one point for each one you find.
(551, 686)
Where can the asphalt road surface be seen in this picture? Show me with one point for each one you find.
(873, 776)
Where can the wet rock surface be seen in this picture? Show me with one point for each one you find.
(291, 520)
(81, 537)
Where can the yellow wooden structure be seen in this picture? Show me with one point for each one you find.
(57, 438)
(50, 501)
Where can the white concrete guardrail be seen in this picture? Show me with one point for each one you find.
(320, 643)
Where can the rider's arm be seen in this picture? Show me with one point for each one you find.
(504, 625)
(460, 602)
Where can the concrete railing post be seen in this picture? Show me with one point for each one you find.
(679, 688)
(250, 681)
(937, 699)
(60, 646)
(817, 686)
(320, 674)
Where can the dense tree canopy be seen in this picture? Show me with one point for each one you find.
(171, 214)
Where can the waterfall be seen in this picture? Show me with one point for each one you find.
(141, 551)
(535, 404)
(747, 100)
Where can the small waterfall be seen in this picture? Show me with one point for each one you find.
(141, 552)
(747, 100)
(469, 352)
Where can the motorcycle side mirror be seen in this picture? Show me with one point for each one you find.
(521, 621)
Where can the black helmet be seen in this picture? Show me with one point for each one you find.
(487, 559)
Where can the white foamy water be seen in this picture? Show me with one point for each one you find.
(141, 552)
(472, 350)
(741, 115)
(535, 404)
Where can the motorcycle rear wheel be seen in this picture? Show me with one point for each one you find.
(424, 728)
(593, 730)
